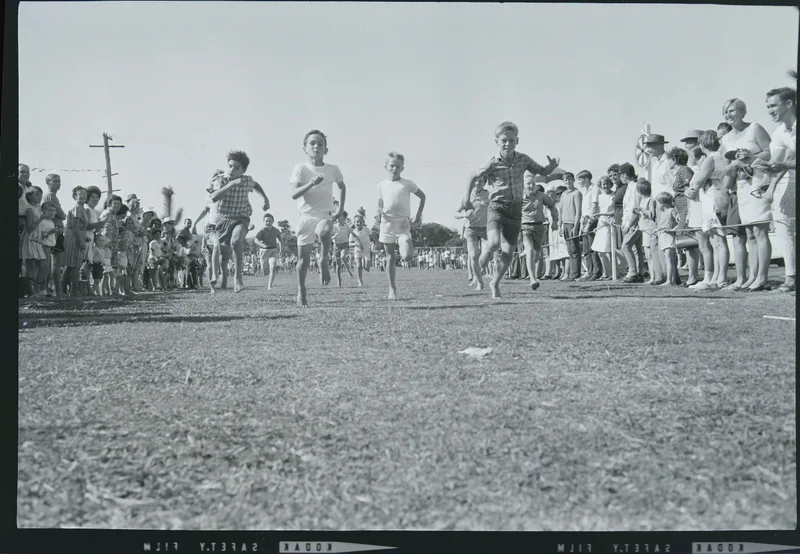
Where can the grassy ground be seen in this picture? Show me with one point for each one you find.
(601, 407)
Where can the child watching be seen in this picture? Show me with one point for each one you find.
(394, 215)
(312, 184)
(646, 214)
(32, 252)
(503, 174)
(666, 224)
(156, 261)
(102, 257)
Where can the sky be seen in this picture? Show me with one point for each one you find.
(179, 84)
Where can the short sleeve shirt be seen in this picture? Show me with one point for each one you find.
(318, 201)
(480, 200)
(269, 236)
(213, 209)
(589, 199)
(505, 180)
(533, 207)
(396, 196)
(236, 203)
(343, 233)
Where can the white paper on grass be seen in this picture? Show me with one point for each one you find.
(476, 352)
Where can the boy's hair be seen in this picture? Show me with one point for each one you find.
(506, 126)
(665, 198)
(725, 126)
(315, 132)
(613, 167)
(585, 174)
(603, 180)
(76, 189)
(644, 187)
(569, 176)
(709, 140)
(29, 194)
(239, 156)
(784, 94)
(678, 155)
(627, 170)
(397, 156)
(269, 216)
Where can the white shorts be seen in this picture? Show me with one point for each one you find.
(306, 228)
(358, 253)
(267, 253)
(393, 230)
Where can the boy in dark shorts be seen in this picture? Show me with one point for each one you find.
(534, 224)
(504, 181)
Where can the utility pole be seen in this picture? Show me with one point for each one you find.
(105, 146)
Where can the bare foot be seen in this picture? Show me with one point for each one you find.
(269, 287)
(360, 284)
(325, 273)
(340, 283)
(238, 287)
(392, 295)
(494, 286)
(665, 284)
(301, 298)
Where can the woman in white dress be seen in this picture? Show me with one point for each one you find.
(755, 212)
(754, 138)
(604, 232)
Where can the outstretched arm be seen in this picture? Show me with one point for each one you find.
(259, 190)
(300, 189)
(342, 196)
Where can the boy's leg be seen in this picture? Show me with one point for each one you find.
(360, 269)
(473, 254)
(271, 266)
(494, 239)
(323, 231)
(504, 261)
(224, 258)
(237, 243)
(303, 261)
(530, 259)
(338, 262)
(388, 248)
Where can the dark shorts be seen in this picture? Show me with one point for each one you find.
(97, 271)
(475, 232)
(225, 227)
(537, 232)
(507, 218)
(342, 246)
(632, 238)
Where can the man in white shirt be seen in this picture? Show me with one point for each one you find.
(590, 192)
(782, 108)
(663, 176)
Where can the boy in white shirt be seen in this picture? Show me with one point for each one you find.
(394, 214)
(312, 184)
(361, 248)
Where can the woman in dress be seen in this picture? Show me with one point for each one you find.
(707, 186)
(755, 211)
(605, 230)
(75, 250)
(678, 161)
(755, 139)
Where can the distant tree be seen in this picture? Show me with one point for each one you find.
(250, 246)
(168, 195)
(792, 74)
(431, 234)
(456, 241)
(288, 238)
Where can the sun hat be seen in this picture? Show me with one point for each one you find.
(655, 139)
(692, 134)
(131, 197)
(149, 210)
(168, 220)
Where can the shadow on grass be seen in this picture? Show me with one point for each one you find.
(659, 297)
(109, 319)
(443, 307)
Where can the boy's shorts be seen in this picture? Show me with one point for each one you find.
(666, 241)
(393, 230)
(475, 232)
(225, 226)
(342, 246)
(537, 232)
(506, 218)
(307, 228)
(359, 253)
(267, 253)
(97, 271)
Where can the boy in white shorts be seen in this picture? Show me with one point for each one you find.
(342, 233)
(361, 249)
(312, 184)
(394, 213)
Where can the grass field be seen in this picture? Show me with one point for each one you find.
(600, 407)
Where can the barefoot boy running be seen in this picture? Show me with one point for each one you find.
(268, 240)
(504, 181)
(361, 248)
(475, 230)
(313, 189)
(394, 214)
(234, 210)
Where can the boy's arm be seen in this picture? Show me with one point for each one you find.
(421, 196)
(300, 188)
(219, 193)
(342, 196)
(380, 209)
(259, 190)
(197, 220)
(578, 200)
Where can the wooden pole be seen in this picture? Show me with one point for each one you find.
(649, 165)
(105, 146)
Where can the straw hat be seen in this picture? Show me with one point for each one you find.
(655, 139)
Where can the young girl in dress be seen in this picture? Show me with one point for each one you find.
(32, 251)
(47, 234)
(604, 231)
(646, 212)
(667, 220)
(103, 257)
(75, 244)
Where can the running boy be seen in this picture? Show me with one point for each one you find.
(394, 215)
(534, 224)
(504, 180)
(268, 240)
(361, 248)
(475, 230)
(342, 233)
(234, 210)
(312, 184)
